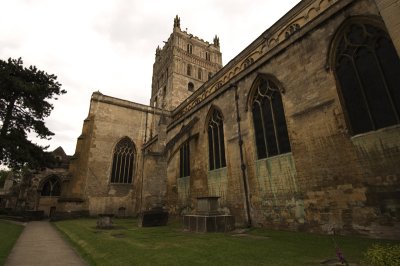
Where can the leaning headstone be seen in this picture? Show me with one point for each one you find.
(104, 221)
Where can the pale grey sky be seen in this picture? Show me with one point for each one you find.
(110, 45)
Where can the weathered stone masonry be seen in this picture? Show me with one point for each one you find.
(330, 179)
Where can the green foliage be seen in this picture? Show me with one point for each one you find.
(128, 244)
(9, 233)
(382, 255)
(24, 103)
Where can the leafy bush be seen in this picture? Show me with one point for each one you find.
(382, 255)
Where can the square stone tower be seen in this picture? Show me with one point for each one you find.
(182, 66)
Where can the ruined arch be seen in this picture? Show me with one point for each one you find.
(50, 186)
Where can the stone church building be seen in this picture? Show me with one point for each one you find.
(300, 131)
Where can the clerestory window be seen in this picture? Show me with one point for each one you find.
(368, 70)
(184, 160)
(208, 57)
(269, 120)
(216, 147)
(189, 48)
(123, 162)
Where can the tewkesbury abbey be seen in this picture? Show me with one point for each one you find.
(300, 131)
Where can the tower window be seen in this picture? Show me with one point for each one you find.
(368, 70)
(184, 160)
(189, 48)
(269, 120)
(189, 70)
(190, 86)
(208, 58)
(199, 73)
(123, 162)
(216, 148)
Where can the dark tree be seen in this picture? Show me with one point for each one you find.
(24, 103)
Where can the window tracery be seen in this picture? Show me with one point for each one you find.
(368, 70)
(216, 146)
(123, 162)
(269, 120)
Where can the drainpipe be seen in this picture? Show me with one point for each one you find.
(141, 176)
(242, 164)
(141, 185)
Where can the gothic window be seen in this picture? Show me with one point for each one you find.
(216, 148)
(199, 73)
(189, 48)
(208, 58)
(189, 70)
(123, 162)
(184, 160)
(51, 188)
(155, 101)
(269, 120)
(190, 86)
(368, 70)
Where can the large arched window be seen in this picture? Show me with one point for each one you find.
(216, 148)
(51, 187)
(368, 71)
(123, 162)
(269, 119)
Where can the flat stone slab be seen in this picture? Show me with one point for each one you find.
(40, 244)
(152, 218)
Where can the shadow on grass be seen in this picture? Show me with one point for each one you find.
(127, 244)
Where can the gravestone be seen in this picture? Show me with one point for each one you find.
(157, 216)
(104, 221)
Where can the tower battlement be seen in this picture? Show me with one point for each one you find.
(181, 66)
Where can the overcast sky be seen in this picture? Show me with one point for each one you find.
(110, 45)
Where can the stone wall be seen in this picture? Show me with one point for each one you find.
(330, 180)
(109, 120)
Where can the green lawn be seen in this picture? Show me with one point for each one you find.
(130, 245)
(9, 233)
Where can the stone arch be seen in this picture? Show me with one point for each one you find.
(256, 83)
(50, 186)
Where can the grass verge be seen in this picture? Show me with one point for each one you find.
(129, 245)
(9, 233)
